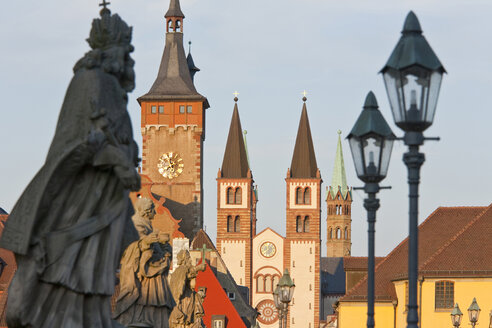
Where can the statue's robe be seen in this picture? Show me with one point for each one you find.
(67, 228)
(149, 301)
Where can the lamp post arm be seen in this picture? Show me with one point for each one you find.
(371, 204)
(413, 159)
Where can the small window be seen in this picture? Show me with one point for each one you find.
(299, 195)
(237, 196)
(306, 224)
(237, 224)
(230, 196)
(345, 235)
(241, 263)
(293, 264)
(298, 224)
(268, 284)
(189, 109)
(444, 294)
(181, 109)
(260, 284)
(307, 196)
(231, 295)
(161, 109)
(330, 235)
(153, 109)
(218, 324)
(229, 223)
(339, 234)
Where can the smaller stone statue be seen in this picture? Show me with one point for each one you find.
(145, 299)
(188, 312)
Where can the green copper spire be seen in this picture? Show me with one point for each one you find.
(339, 177)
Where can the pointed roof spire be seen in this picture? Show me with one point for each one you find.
(304, 160)
(339, 179)
(246, 145)
(174, 10)
(235, 163)
(174, 80)
(191, 64)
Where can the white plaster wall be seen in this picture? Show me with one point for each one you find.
(233, 254)
(314, 193)
(302, 270)
(244, 194)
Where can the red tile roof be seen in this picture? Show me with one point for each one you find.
(7, 274)
(438, 230)
(354, 263)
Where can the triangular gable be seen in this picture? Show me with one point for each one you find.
(271, 230)
(216, 301)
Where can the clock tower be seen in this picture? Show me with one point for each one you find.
(173, 131)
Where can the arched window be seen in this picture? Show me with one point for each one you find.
(298, 224)
(237, 224)
(338, 233)
(306, 224)
(276, 279)
(330, 234)
(229, 223)
(260, 284)
(307, 195)
(230, 196)
(299, 195)
(268, 284)
(178, 25)
(237, 196)
(345, 235)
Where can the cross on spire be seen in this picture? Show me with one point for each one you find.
(104, 4)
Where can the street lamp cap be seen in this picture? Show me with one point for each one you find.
(474, 306)
(371, 101)
(456, 310)
(411, 24)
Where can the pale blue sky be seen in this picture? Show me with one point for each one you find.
(270, 51)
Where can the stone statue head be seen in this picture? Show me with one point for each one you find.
(145, 208)
(184, 257)
(110, 40)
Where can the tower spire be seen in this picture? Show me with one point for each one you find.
(303, 163)
(235, 163)
(175, 78)
(339, 179)
(191, 64)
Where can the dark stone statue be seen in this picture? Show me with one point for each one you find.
(71, 224)
(188, 312)
(145, 299)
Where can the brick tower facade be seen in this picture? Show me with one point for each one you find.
(236, 206)
(303, 228)
(339, 209)
(173, 132)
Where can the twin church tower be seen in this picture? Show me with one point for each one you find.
(173, 132)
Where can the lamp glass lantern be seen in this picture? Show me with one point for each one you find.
(456, 316)
(371, 142)
(412, 77)
(474, 311)
(286, 287)
(276, 298)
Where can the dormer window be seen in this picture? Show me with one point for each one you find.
(218, 321)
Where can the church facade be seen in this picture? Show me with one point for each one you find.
(257, 260)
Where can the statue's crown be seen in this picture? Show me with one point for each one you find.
(109, 30)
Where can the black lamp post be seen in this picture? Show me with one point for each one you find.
(474, 312)
(456, 316)
(371, 142)
(282, 296)
(413, 77)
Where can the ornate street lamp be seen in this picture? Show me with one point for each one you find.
(456, 316)
(371, 142)
(474, 312)
(413, 77)
(282, 296)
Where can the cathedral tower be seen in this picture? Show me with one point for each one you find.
(339, 208)
(303, 228)
(173, 131)
(236, 206)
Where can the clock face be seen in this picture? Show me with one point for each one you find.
(268, 249)
(170, 165)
